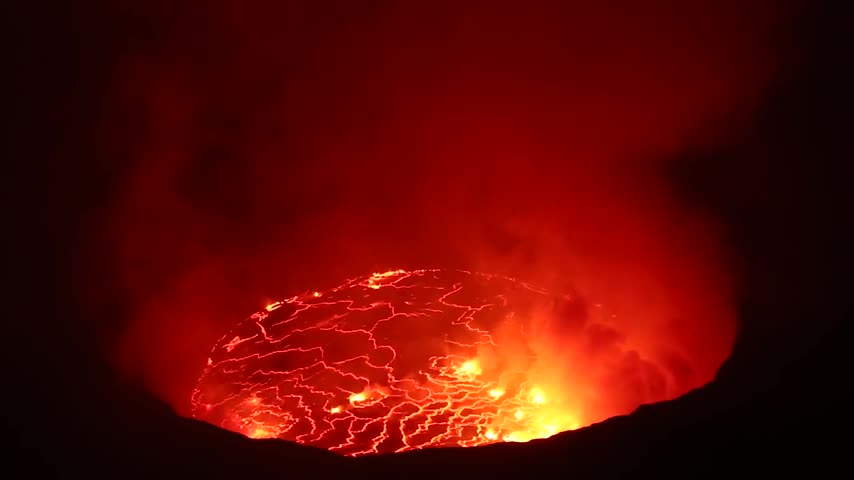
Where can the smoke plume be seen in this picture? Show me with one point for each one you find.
(268, 148)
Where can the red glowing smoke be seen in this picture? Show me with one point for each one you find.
(274, 149)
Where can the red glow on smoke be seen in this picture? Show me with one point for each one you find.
(273, 148)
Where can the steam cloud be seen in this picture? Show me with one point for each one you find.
(274, 149)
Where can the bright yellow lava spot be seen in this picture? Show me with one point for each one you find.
(259, 432)
(490, 434)
(372, 282)
(273, 306)
(358, 397)
(469, 369)
(335, 410)
(316, 294)
(496, 393)
(379, 276)
(515, 437)
(538, 397)
(518, 415)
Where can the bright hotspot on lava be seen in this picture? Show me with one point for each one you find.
(387, 363)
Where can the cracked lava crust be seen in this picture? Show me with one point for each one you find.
(390, 362)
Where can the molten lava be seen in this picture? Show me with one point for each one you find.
(396, 361)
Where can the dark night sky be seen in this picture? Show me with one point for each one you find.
(163, 156)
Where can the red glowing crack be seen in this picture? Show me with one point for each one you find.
(387, 363)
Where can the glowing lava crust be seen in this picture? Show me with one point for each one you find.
(386, 363)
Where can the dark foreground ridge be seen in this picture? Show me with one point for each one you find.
(777, 404)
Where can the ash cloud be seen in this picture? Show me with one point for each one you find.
(273, 149)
